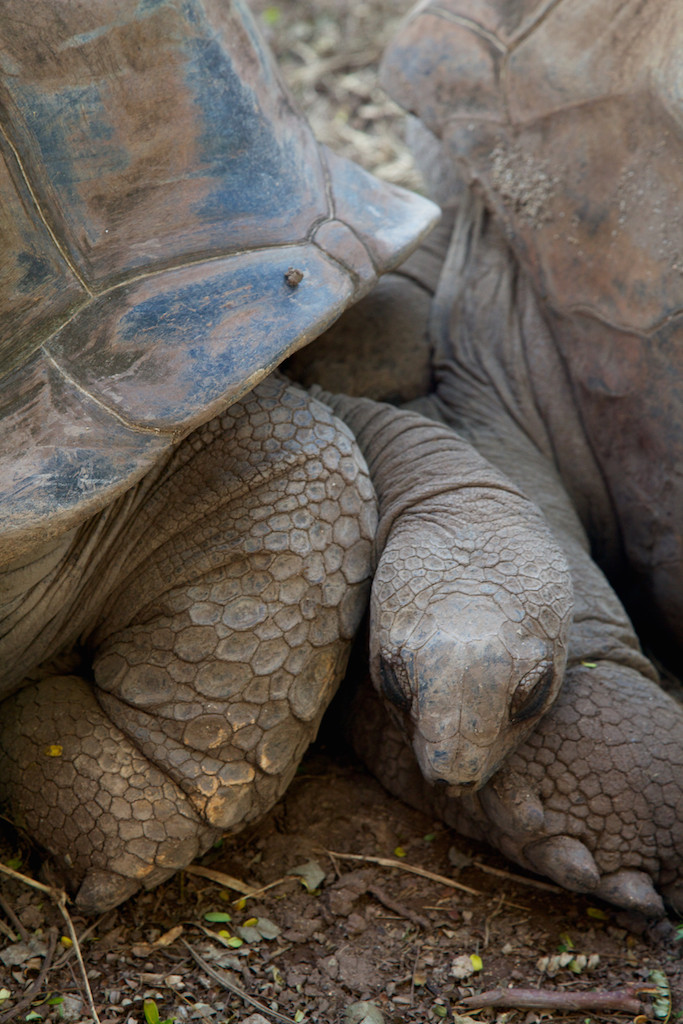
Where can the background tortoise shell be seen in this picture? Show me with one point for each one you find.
(567, 117)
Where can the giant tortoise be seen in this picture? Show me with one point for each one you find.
(554, 133)
(185, 551)
(186, 541)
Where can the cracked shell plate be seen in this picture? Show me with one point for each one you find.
(156, 187)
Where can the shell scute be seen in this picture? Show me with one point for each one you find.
(160, 182)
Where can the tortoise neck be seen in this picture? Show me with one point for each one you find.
(24, 573)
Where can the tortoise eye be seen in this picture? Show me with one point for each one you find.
(391, 686)
(531, 697)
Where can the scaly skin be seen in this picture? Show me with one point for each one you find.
(592, 799)
(486, 326)
(217, 608)
(471, 600)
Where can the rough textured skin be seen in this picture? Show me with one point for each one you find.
(179, 583)
(77, 783)
(555, 345)
(216, 614)
(471, 599)
(211, 611)
(479, 339)
(566, 119)
(177, 649)
(592, 798)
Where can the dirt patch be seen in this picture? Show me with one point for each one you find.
(411, 945)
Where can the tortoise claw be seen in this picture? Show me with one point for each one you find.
(513, 805)
(567, 861)
(103, 890)
(632, 890)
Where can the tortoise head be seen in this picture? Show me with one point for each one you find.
(472, 682)
(468, 642)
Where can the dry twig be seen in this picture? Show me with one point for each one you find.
(537, 999)
(235, 989)
(399, 908)
(9, 912)
(535, 883)
(59, 897)
(229, 882)
(389, 862)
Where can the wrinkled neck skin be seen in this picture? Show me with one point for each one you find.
(501, 383)
(24, 586)
(471, 601)
(47, 598)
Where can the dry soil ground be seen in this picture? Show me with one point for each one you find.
(307, 947)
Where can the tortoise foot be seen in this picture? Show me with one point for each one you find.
(593, 799)
(606, 766)
(113, 821)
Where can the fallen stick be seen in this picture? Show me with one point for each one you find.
(235, 989)
(398, 908)
(60, 899)
(229, 882)
(537, 999)
(389, 862)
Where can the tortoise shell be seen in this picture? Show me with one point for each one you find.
(171, 231)
(568, 118)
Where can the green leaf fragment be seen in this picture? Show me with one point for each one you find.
(272, 15)
(151, 1011)
(299, 1016)
(439, 1010)
(217, 917)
